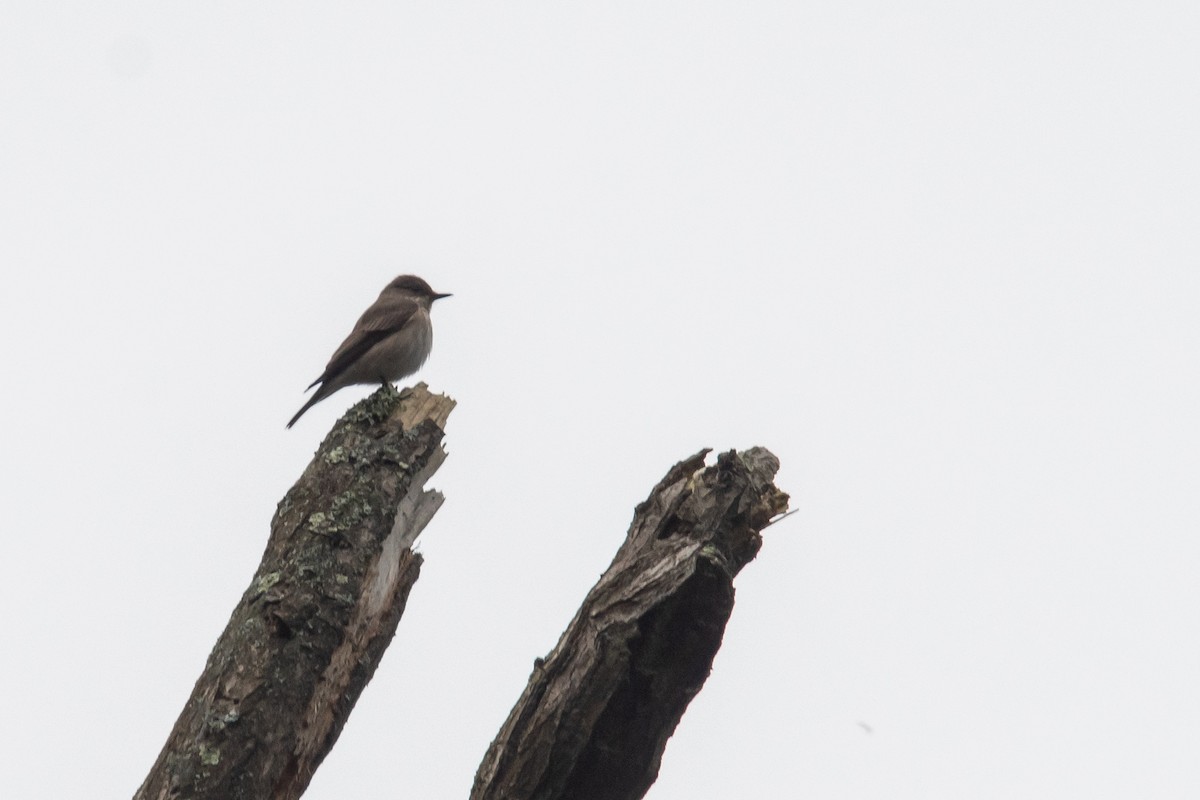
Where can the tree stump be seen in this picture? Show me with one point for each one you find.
(310, 630)
(595, 717)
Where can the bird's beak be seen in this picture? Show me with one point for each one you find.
(440, 296)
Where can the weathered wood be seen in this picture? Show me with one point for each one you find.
(307, 635)
(596, 715)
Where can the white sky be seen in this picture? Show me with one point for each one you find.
(942, 258)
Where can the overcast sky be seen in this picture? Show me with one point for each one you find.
(942, 258)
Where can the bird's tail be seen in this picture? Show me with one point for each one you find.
(317, 397)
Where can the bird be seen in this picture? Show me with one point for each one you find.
(390, 341)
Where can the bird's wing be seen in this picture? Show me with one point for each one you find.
(382, 319)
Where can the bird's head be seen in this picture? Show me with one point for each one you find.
(415, 287)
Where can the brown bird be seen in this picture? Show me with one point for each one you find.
(391, 340)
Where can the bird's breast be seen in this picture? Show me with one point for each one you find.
(398, 355)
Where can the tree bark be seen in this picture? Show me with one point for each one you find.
(310, 630)
(595, 717)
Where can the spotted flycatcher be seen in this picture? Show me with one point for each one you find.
(391, 340)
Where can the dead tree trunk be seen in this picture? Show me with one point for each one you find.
(307, 635)
(595, 717)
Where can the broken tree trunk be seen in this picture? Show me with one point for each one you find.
(595, 717)
(307, 635)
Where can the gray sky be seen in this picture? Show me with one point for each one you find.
(941, 258)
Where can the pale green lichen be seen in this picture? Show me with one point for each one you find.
(349, 508)
(345, 512)
(210, 756)
(337, 455)
(266, 582)
(375, 408)
(219, 723)
(342, 579)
